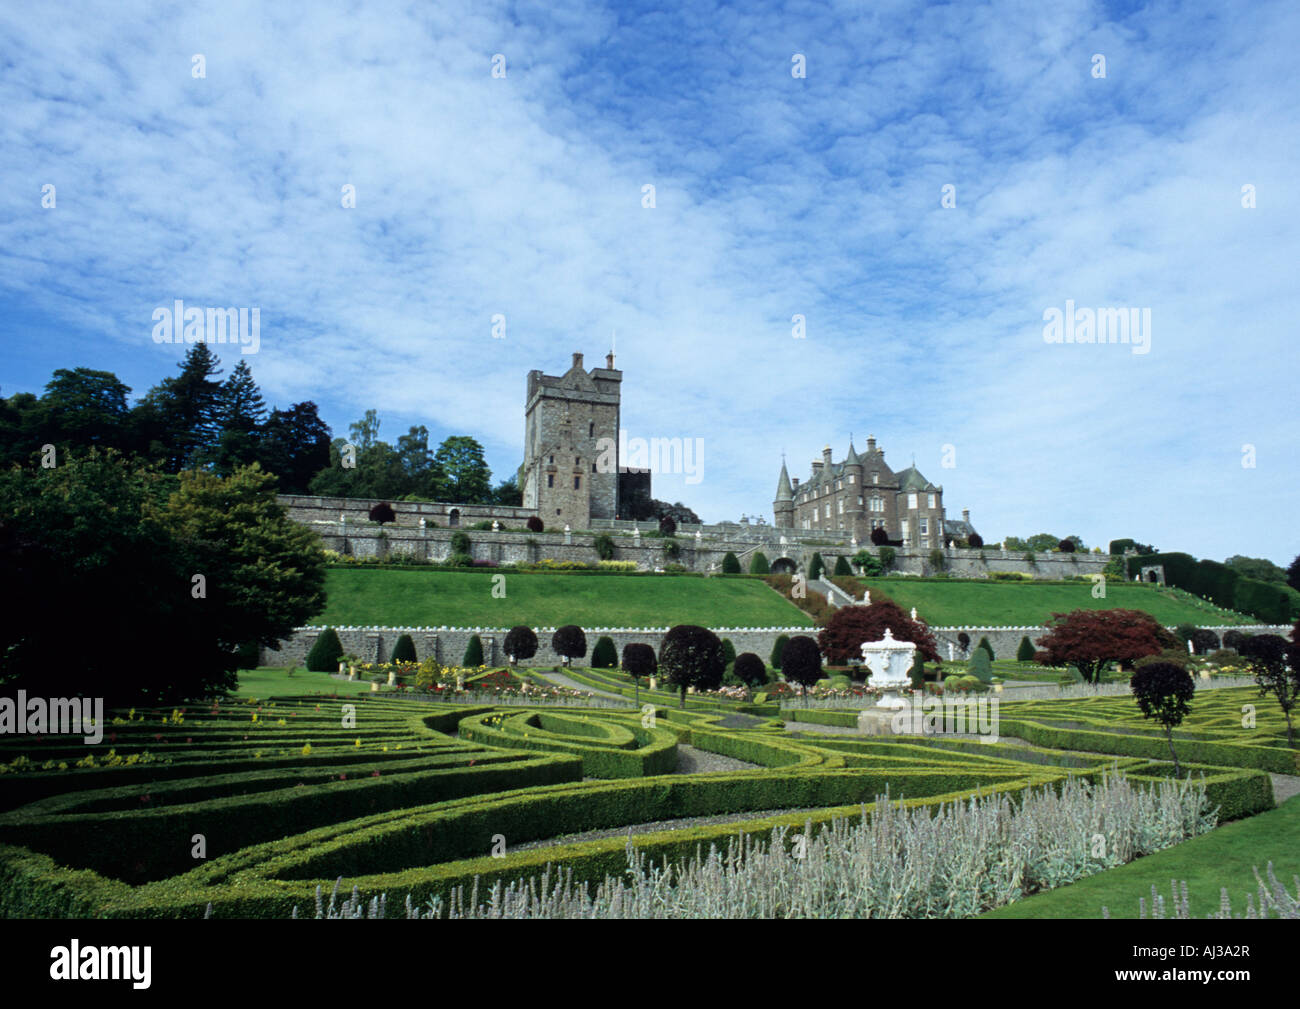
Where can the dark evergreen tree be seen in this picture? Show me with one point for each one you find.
(403, 650)
(1025, 653)
(778, 649)
(758, 564)
(842, 566)
(325, 652)
(604, 655)
(473, 653)
(730, 564)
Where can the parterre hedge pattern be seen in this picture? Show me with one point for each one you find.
(412, 797)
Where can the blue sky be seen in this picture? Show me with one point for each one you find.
(775, 196)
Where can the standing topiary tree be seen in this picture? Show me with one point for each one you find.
(520, 643)
(728, 651)
(1204, 641)
(404, 650)
(758, 564)
(842, 566)
(1164, 693)
(691, 656)
(1089, 639)
(802, 662)
(638, 661)
(382, 512)
(667, 526)
(535, 525)
(473, 653)
(917, 671)
(879, 537)
(975, 541)
(325, 652)
(817, 568)
(1234, 640)
(730, 564)
(1266, 658)
(569, 642)
(981, 666)
(605, 654)
(604, 547)
(778, 649)
(984, 644)
(749, 669)
(1025, 653)
(963, 641)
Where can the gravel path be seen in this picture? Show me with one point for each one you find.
(813, 728)
(693, 761)
(657, 825)
(560, 680)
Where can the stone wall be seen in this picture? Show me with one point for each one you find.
(447, 644)
(1005, 640)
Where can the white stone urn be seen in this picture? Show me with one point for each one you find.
(653, 683)
(392, 677)
(889, 661)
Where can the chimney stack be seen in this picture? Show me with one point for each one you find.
(871, 443)
(609, 360)
(577, 360)
(965, 515)
(826, 457)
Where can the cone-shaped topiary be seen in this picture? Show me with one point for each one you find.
(842, 566)
(325, 653)
(984, 644)
(403, 650)
(981, 666)
(604, 655)
(758, 564)
(730, 564)
(473, 653)
(728, 651)
(917, 673)
(778, 649)
(1025, 653)
(817, 568)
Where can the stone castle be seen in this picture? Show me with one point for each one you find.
(862, 494)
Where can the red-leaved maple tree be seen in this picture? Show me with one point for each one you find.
(1088, 639)
(849, 626)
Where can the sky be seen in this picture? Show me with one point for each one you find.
(500, 152)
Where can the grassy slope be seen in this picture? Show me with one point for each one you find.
(1002, 604)
(268, 681)
(425, 598)
(1223, 858)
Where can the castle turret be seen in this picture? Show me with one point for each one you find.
(783, 505)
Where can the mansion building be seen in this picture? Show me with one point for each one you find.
(861, 494)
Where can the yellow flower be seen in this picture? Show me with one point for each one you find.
(306, 750)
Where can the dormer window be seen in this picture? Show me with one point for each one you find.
(875, 478)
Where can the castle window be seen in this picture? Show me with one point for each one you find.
(591, 429)
(577, 461)
(839, 484)
(931, 500)
(852, 478)
(925, 526)
(552, 460)
(875, 478)
(593, 467)
(841, 506)
(828, 511)
(911, 502)
(577, 483)
(859, 500)
(550, 479)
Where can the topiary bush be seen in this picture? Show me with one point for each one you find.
(1204, 641)
(403, 650)
(604, 655)
(728, 651)
(817, 568)
(749, 669)
(730, 564)
(1065, 546)
(963, 641)
(473, 652)
(778, 648)
(842, 566)
(758, 564)
(569, 642)
(975, 540)
(984, 644)
(325, 652)
(1025, 653)
(981, 666)
(691, 656)
(460, 543)
(937, 560)
(520, 643)
(535, 525)
(801, 662)
(639, 660)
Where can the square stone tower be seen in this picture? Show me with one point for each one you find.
(570, 423)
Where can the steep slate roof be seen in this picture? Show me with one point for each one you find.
(957, 529)
(911, 479)
(784, 492)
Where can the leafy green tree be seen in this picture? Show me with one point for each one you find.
(185, 411)
(750, 670)
(730, 564)
(1293, 574)
(916, 674)
(1266, 657)
(1164, 693)
(758, 564)
(240, 416)
(473, 652)
(868, 564)
(403, 650)
(605, 654)
(508, 494)
(325, 652)
(468, 477)
(569, 642)
(295, 446)
(603, 544)
(1258, 568)
(802, 662)
(84, 408)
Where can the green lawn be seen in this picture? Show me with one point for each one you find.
(1224, 857)
(270, 681)
(430, 598)
(980, 603)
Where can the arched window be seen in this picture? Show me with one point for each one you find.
(453, 517)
